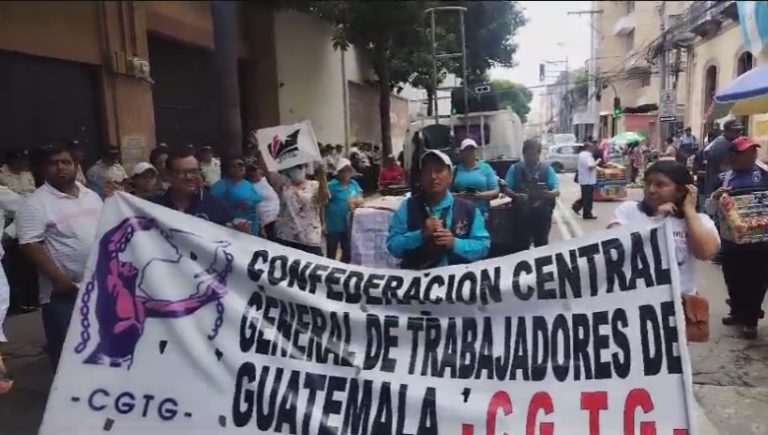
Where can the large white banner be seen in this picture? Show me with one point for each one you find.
(189, 328)
(288, 145)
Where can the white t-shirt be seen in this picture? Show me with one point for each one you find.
(587, 175)
(629, 212)
(269, 207)
(299, 218)
(65, 224)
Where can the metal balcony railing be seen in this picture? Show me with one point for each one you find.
(706, 16)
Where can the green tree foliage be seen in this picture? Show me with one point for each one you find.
(514, 95)
(391, 33)
(396, 37)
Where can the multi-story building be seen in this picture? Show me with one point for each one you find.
(623, 31)
(704, 49)
(138, 73)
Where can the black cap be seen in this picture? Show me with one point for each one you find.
(733, 124)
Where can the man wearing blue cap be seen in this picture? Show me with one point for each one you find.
(433, 228)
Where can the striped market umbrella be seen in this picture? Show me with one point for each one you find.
(747, 95)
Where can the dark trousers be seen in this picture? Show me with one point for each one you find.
(269, 231)
(56, 316)
(746, 278)
(533, 228)
(314, 250)
(587, 199)
(334, 241)
(22, 277)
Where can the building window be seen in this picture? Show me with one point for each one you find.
(745, 63)
(645, 80)
(630, 6)
(630, 40)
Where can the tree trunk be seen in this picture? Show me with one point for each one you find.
(382, 70)
(430, 101)
(225, 38)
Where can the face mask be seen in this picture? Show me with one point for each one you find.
(296, 175)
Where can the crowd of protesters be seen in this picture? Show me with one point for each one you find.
(444, 222)
(58, 204)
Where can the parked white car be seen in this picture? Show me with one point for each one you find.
(563, 157)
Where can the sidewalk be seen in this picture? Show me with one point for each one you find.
(21, 410)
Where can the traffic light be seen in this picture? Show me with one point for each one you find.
(541, 72)
(617, 111)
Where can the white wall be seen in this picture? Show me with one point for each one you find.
(416, 97)
(309, 74)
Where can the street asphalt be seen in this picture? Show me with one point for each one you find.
(730, 374)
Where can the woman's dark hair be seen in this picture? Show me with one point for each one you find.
(227, 161)
(157, 152)
(177, 154)
(676, 172)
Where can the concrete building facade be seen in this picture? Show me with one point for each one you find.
(624, 31)
(74, 71)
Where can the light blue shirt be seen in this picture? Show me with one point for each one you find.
(553, 183)
(481, 178)
(473, 248)
(241, 199)
(337, 209)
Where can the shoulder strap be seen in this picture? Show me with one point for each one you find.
(727, 178)
(543, 171)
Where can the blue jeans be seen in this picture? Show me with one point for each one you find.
(56, 316)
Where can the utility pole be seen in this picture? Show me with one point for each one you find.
(663, 71)
(594, 42)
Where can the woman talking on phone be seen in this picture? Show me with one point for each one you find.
(670, 193)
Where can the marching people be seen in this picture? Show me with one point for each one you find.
(668, 192)
(107, 174)
(269, 206)
(78, 153)
(299, 223)
(714, 132)
(329, 159)
(688, 143)
(144, 181)
(15, 173)
(186, 194)
(744, 265)
(157, 158)
(391, 174)
(57, 229)
(345, 196)
(435, 228)
(209, 165)
(473, 179)
(5, 380)
(238, 193)
(718, 153)
(534, 187)
(586, 171)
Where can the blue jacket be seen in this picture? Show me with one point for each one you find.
(472, 241)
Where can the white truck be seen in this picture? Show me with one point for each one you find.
(499, 134)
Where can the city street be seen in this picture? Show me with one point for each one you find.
(730, 374)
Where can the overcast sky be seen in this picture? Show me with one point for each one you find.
(550, 34)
